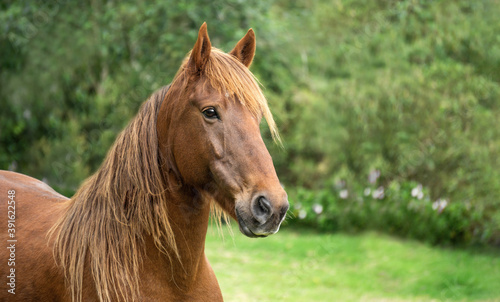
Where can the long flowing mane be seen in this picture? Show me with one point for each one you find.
(125, 199)
(113, 210)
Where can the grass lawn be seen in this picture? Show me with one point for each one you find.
(305, 266)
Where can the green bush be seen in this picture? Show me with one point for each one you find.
(403, 209)
(408, 87)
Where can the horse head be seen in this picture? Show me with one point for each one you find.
(208, 131)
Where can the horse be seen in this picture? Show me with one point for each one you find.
(135, 230)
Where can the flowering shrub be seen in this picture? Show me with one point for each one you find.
(403, 209)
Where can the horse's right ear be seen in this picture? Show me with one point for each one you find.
(201, 51)
(245, 49)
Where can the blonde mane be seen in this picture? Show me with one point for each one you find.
(111, 213)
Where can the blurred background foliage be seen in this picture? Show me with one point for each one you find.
(388, 109)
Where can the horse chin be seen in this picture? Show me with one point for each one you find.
(245, 230)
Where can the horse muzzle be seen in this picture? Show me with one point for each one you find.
(261, 217)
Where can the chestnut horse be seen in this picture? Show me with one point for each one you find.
(135, 230)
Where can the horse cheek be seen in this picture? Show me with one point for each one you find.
(217, 141)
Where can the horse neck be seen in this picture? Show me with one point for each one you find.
(188, 210)
(188, 214)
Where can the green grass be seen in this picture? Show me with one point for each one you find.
(306, 266)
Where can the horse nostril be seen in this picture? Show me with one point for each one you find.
(283, 211)
(264, 205)
(261, 209)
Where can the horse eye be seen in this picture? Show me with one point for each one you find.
(210, 113)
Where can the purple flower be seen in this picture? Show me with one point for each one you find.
(340, 184)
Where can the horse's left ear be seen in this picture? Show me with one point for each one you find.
(245, 49)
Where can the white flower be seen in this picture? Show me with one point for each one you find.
(302, 214)
(417, 192)
(317, 208)
(297, 206)
(378, 193)
(373, 176)
(367, 191)
(344, 194)
(420, 195)
(439, 205)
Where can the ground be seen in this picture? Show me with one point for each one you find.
(297, 265)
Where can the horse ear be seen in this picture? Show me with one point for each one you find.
(245, 49)
(201, 50)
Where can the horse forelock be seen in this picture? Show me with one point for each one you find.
(230, 77)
